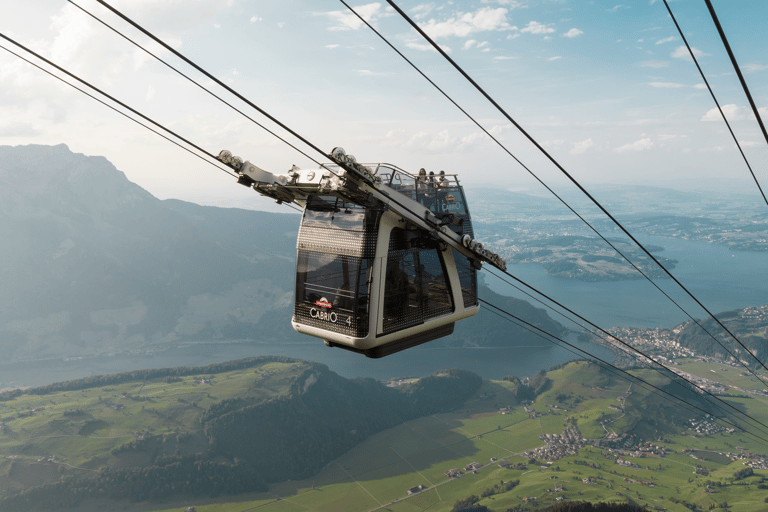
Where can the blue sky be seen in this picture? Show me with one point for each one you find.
(606, 87)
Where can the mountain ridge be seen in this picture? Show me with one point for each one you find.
(96, 265)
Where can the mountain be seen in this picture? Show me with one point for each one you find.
(272, 419)
(94, 264)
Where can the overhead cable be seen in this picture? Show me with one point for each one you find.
(677, 398)
(219, 82)
(629, 347)
(106, 95)
(119, 112)
(572, 179)
(737, 68)
(228, 88)
(585, 221)
(191, 80)
(129, 117)
(706, 82)
(548, 188)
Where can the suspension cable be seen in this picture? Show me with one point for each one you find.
(207, 74)
(552, 191)
(619, 372)
(632, 349)
(737, 68)
(118, 111)
(573, 180)
(617, 368)
(711, 92)
(193, 81)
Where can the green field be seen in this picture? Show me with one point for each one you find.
(44, 436)
(82, 428)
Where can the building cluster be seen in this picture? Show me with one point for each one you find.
(453, 473)
(751, 459)
(707, 427)
(657, 342)
(643, 482)
(626, 463)
(558, 445)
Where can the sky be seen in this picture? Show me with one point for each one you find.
(608, 89)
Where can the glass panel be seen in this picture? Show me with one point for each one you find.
(416, 288)
(332, 292)
(467, 278)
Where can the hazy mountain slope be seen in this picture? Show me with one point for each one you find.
(92, 262)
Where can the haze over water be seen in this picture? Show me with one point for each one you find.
(720, 278)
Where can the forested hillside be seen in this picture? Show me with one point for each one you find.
(287, 423)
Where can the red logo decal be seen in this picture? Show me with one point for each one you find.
(323, 303)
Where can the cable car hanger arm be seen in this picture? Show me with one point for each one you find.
(357, 184)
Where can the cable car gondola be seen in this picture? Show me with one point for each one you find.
(386, 260)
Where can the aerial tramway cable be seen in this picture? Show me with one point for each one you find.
(115, 109)
(240, 96)
(711, 92)
(627, 348)
(585, 192)
(118, 111)
(292, 132)
(737, 68)
(191, 80)
(627, 374)
(72, 75)
(543, 184)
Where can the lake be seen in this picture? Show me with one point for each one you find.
(490, 363)
(720, 278)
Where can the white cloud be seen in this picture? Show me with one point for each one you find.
(662, 41)
(254, 19)
(615, 8)
(484, 43)
(421, 10)
(554, 58)
(580, 147)
(574, 32)
(534, 27)
(654, 64)
(280, 24)
(700, 86)
(640, 145)
(464, 24)
(666, 85)
(552, 143)
(732, 112)
(503, 57)
(426, 47)
(468, 44)
(332, 46)
(150, 93)
(751, 68)
(681, 52)
(346, 20)
(432, 142)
